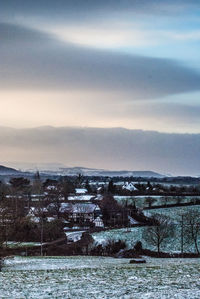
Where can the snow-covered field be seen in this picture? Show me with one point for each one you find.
(96, 277)
(12, 244)
(135, 233)
(174, 213)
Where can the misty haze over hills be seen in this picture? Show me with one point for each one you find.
(47, 169)
(103, 148)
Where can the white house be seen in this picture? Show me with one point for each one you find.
(98, 222)
(129, 186)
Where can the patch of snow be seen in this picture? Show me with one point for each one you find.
(81, 191)
(81, 197)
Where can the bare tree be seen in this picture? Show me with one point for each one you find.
(67, 188)
(162, 230)
(37, 187)
(192, 228)
(150, 200)
(178, 199)
(53, 199)
(165, 200)
(6, 220)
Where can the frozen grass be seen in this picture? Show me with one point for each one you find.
(12, 244)
(169, 245)
(174, 213)
(94, 277)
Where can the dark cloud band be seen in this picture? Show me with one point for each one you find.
(104, 148)
(90, 8)
(35, 60)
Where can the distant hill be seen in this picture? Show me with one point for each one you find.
(111, 173)
(81, 170)
(7, 170)
(102, 148)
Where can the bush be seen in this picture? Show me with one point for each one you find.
(138, 246)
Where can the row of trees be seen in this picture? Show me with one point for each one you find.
(151, 188)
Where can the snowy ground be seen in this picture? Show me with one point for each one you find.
(12, 244)
(135, 233)
(174, 213)
(95, 277)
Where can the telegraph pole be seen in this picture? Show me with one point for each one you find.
(182, 235)
(41, 236)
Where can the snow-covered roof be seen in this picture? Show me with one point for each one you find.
(98, 197)
(33, 211)
(50, 219)
(78, 208)
(129, 186)
(132, 220)
(98, 222)
(51, 187)
(81, 197)
(74, 236)
(81, 190)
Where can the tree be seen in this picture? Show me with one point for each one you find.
(79, 180)
(88, 187)
(150, 200)
(20, 184)
(53, 230)
(157, 234)
(192, 228)
(37, 184)
(178, 199)
(141, 187)
(20, 190)
(165, 200)
(6, 219)
(114, 246)
(66, 187)
(149, 186)
(53, 198)
(3, 191)
(112, 212)
(85, 242)
(111, 187)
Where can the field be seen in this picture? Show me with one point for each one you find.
(135, 234)
(94, 277)
(174, 213)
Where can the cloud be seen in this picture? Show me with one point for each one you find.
(177, 112)
(15, 34)
(116, 37)
(193, 35)
(33, 60)
(104, 148)
(89, 8)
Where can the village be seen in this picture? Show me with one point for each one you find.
(64, 215)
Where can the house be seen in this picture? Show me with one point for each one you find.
(35, 214)
(98, 222)
(80, 212)
(129, 186)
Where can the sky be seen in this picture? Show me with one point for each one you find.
(130, 64)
